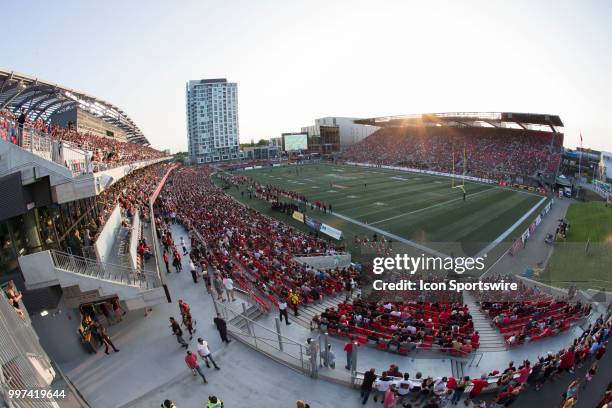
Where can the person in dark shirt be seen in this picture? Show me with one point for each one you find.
(221, 327)
(366, 386)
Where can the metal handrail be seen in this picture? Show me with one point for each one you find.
(278, 343)
(102, 270)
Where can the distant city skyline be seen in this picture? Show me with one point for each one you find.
(295, 62)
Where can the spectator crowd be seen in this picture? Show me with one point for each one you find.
(489, 153)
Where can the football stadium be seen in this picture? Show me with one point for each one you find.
(420, 260)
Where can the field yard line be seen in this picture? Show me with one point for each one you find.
(509, 230)
(430, 207)
(390, 235)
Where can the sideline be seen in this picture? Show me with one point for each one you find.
(514, 226)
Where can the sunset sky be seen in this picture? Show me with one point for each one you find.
(295, 61)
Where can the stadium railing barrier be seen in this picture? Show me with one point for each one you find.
(26, 367)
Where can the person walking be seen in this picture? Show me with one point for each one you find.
(221, 327)
(192, 362)
(205, 353)
(366, 385)
(282, 310)
(176, 331)
(188, 323)
(176, 262)
(106, 340)
(168, 404)
(194, 271)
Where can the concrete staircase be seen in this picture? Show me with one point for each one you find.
(307, 312)
(490, 337)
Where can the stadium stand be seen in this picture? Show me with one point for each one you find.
(255, 250)
(105, 152)
(491, 153)
(535, 316)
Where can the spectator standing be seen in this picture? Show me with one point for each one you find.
(366, 386)
(294, 299)
(194, 271)
(348, 349)
(478, 384)
(221, 325)
(192, 362)
(389, 400)
(205, 353)
(228, 284)
(176, 331)
(219, 287)
(282, 310)
(106, 340)
(462, 384)
(329, 357)
(166, 260)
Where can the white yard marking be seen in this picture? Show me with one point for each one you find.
(399, 178)
(331, 191)
(431, 206)
(392, 236)
(379, 203)
(352, 196)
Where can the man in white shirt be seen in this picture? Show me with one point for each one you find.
(194, 271)
(403, 388)
(205, 353)
(228, 284)
(282, 310)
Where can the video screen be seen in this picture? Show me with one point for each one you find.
(295, 141)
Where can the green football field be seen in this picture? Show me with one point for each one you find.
(418, 210)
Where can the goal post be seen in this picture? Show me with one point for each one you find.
(453, 184)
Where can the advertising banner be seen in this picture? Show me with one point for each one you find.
(298, 216)
(331, 231)
(312, 223)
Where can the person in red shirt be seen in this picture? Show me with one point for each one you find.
(478, 384)
(192, 362)
(348, 348)
(451, 384)
(166, 260)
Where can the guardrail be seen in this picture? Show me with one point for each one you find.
(26, 366)
(289, 352)
(159, 259)
(103, 270)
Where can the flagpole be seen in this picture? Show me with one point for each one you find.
(580, 159)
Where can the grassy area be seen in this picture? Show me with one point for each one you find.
(415, 207)
(575, 261)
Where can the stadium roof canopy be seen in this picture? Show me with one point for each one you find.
(511, 120)
(42, 99)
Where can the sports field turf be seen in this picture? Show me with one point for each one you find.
(407, 207)
(574, 261)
